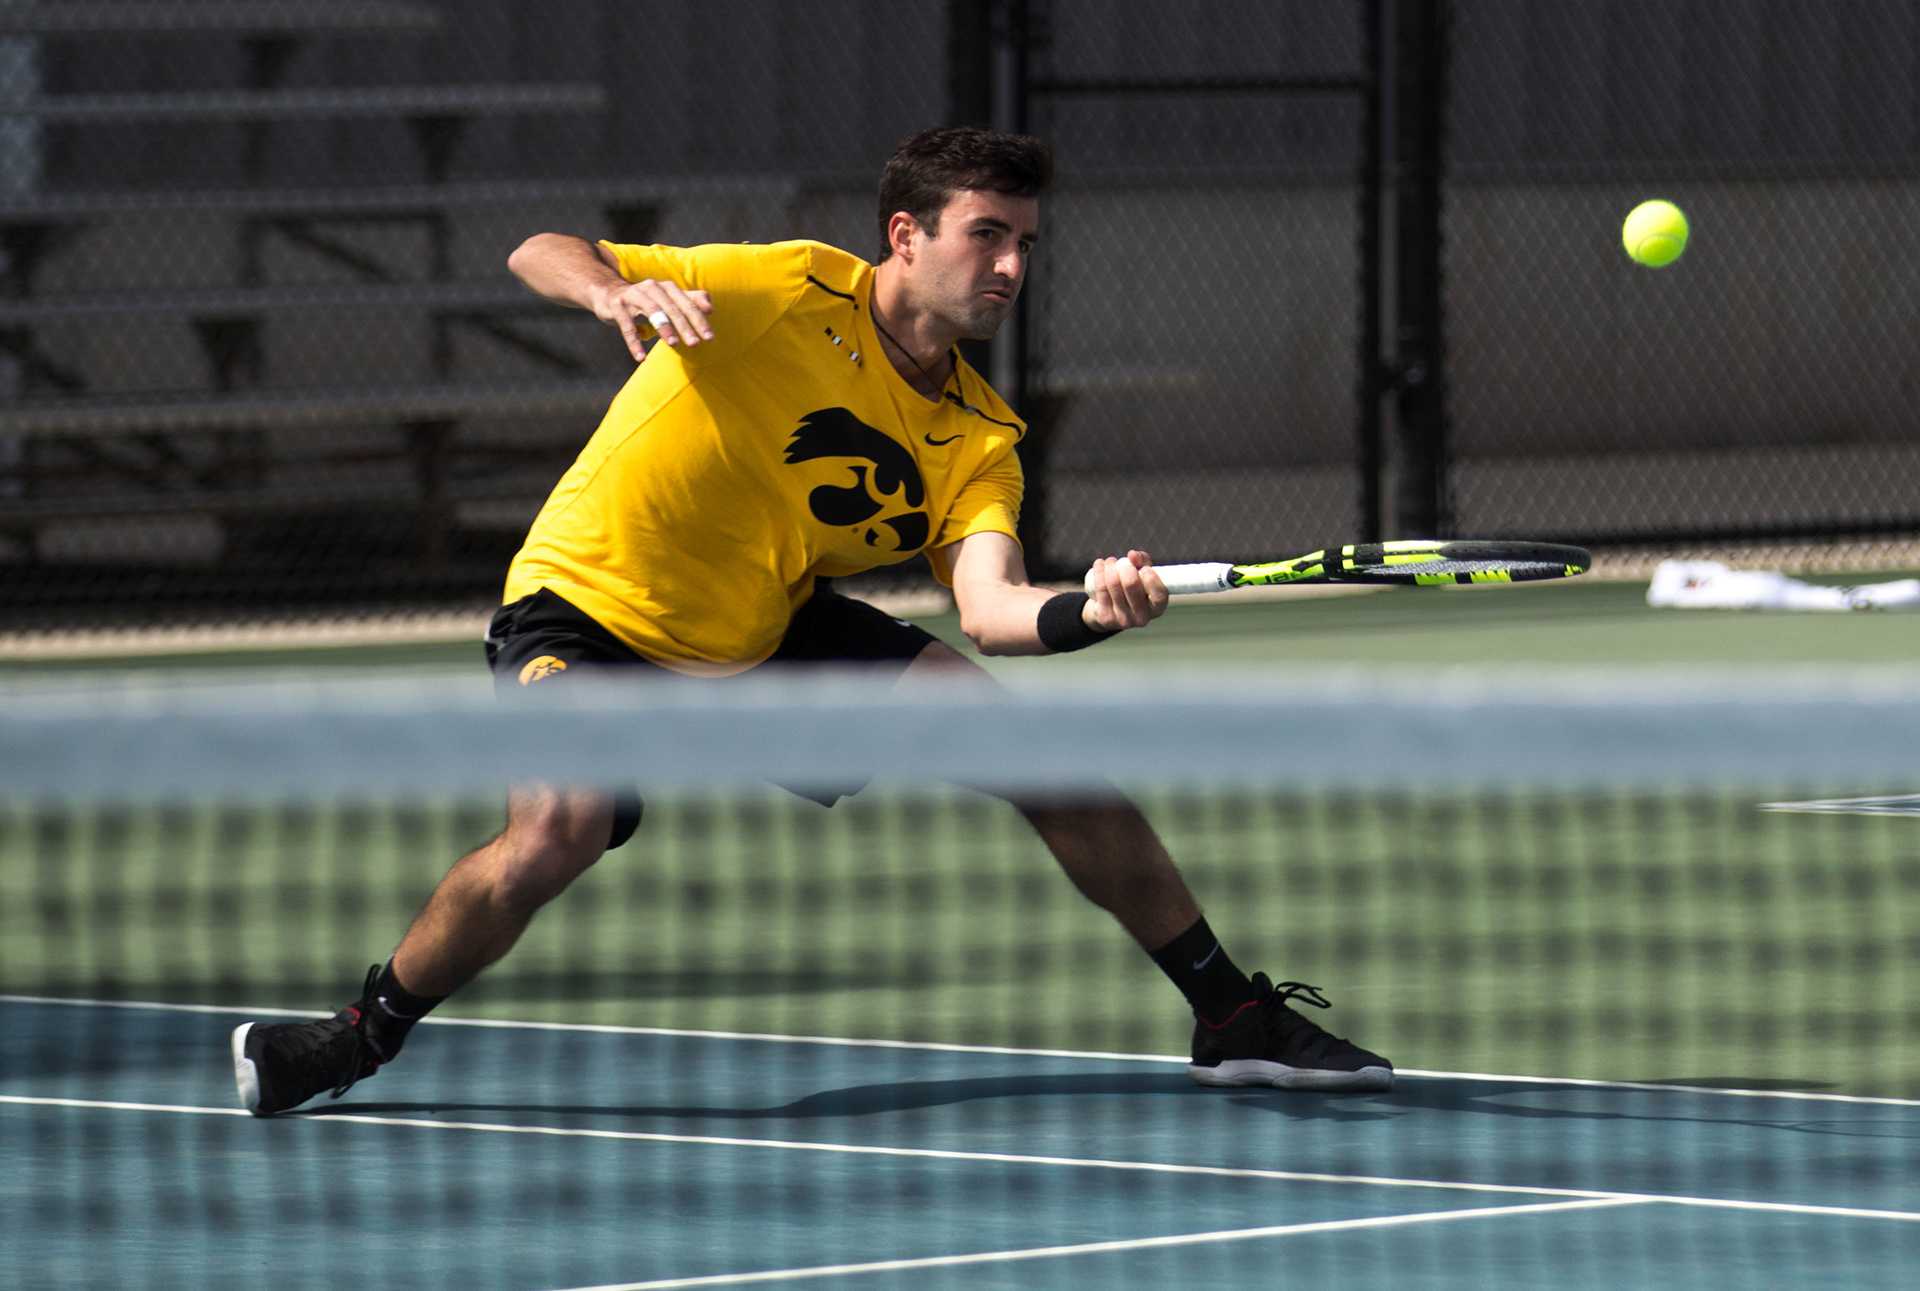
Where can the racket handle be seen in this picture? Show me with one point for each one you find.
(1182, 580)
(1207, 576)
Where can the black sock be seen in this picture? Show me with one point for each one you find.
(392, 1010)
(1198, 964)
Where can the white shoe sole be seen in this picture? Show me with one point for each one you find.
(246, 1078)
(1254, 1071)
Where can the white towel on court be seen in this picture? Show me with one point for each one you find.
(1710, 585)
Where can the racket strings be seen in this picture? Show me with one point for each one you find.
(1448, 566)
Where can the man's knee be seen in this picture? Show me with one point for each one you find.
(551, 839)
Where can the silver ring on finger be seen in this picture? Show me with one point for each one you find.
(659, 318)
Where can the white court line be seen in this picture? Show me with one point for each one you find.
(1651, 1088)
(1903, 804)
(801, 1145)
(931, 1047)
(990, 1158)
(1097, 1248)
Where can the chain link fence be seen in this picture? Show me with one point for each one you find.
(259, 352)
(1763, 386)
(259, 355)
(1197, 324)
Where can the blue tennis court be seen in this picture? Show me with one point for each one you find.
(531, 1156)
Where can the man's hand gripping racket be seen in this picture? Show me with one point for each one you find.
(1124, 592)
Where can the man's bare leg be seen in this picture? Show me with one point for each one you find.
(1114, 857)
(1244, 1034)
(473, 918)
(1110, 851)
(488, 898)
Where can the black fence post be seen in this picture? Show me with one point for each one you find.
(1421, 507)
(969, 62)
(1373, 373)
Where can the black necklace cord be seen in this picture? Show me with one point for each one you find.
(939, 386)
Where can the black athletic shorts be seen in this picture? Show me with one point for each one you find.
(543, 636)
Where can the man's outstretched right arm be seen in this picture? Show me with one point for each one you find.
(576, 272)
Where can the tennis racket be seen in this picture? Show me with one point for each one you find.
(1412, 562)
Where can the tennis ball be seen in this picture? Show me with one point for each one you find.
(1655, 233)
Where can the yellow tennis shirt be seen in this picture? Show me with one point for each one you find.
(724, 478)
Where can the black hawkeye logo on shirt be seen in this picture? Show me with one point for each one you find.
(889, 477)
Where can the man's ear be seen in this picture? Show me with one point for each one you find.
(901, 227)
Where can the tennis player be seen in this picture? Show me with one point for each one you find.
(804, 415)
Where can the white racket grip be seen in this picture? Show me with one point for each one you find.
(1184, 580)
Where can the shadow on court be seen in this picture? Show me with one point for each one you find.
(1443, 1098)
(857, 1100)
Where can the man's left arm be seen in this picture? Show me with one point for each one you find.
(1002, 613)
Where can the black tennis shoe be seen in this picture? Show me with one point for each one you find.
(277, 1066)
(1267, 1043)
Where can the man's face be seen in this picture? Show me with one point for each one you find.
(971, 273)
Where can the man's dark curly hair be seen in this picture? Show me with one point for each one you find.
(928, 168)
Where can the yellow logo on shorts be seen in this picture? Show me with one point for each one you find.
(545, 666)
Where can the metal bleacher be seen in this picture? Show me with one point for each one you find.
(76, 443)
(202, 17)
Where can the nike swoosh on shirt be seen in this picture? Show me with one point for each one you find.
(940, 443)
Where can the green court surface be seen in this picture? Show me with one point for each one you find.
(1542, 623)
(1738, 975)
(1692, 938)
(1578, 933)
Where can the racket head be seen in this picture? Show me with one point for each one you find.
(1419, 562)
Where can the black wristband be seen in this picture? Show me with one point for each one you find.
(1062, 629)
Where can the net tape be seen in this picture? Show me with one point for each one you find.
(157, 736)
